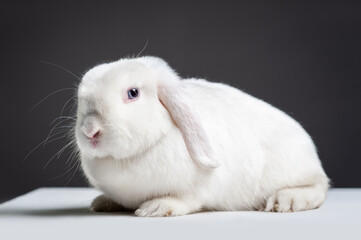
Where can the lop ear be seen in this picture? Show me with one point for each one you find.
(174, 97)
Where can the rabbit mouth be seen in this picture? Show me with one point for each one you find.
(94, 143)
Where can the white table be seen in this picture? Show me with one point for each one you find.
(62, 213)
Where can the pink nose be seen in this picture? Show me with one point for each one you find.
(96, 134)
(91, 128)
(92, 134)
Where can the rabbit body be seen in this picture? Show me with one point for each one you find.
(266, 159)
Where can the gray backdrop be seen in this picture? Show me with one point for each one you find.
(301, 57)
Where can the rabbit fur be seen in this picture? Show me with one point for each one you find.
(186, 145)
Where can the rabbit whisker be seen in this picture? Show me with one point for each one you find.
(63, 68)
(145, 46)
(76, 170)
(53, 178)
(62, 110)
(57, 154)
(63, 118)
(51, 131)
(51, 94)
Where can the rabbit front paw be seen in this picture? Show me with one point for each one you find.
(162, 207)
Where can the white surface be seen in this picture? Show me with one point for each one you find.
(62, 213)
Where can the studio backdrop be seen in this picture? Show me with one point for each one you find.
(304, 58)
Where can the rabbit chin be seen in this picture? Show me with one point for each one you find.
(104, 149)
(88, 149)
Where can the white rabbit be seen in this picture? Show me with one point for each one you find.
(166, 146)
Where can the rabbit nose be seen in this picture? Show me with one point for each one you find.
(91, 128)
(91, 133)
(96, 134)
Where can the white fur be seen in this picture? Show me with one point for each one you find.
(189, 144)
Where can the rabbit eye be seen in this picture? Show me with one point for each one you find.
(133, 93)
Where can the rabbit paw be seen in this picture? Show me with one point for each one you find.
(104, 204)
(162, 207)
(294, 200)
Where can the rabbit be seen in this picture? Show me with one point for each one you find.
(165, 146)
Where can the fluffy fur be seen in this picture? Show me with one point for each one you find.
(188, 145)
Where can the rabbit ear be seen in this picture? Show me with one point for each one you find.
(176, 100)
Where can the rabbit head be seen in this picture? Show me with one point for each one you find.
(125, 107)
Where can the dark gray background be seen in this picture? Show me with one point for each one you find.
(303, 57)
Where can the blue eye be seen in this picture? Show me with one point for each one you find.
(133, 93)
